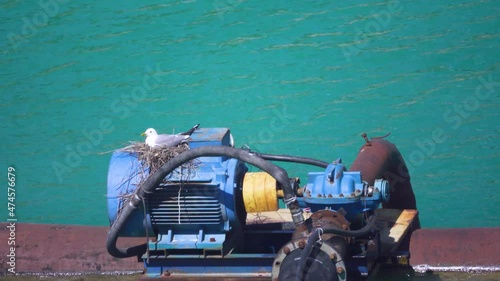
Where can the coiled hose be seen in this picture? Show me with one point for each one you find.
(155, 179)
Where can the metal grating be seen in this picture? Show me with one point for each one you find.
(185, 204)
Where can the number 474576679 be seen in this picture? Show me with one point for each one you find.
(11, 191)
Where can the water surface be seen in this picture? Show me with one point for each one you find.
(82, 78)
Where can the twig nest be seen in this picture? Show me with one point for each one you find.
(152, 158)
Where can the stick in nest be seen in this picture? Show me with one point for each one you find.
(153, 158)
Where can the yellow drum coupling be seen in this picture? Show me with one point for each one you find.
(259, 192)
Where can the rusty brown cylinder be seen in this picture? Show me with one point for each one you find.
(380, 159)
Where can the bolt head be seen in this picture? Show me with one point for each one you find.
(302, 244)
(286, 250)
(340, 270)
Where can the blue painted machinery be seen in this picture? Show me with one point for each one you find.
(193, 213)
(189, 210)
(344, 191)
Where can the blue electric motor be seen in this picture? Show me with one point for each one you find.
(192, 210)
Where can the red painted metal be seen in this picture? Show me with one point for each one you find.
(45, 248)
(468, 247)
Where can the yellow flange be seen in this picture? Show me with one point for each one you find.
(259, 192)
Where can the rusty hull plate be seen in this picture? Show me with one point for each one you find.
(455, 247)
(44, 248)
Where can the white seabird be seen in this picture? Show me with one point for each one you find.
(153, 139)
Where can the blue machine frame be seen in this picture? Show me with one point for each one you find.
(197, 219)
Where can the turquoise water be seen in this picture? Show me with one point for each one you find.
(82, 78)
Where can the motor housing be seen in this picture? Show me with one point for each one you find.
(192, 208)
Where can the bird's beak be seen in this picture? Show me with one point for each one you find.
(143, 134)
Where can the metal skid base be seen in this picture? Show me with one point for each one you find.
(263, 241)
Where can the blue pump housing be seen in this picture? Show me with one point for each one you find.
(340, 190)
(194, 210)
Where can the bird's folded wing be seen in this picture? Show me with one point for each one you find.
(170, 140)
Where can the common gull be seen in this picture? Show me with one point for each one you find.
(153, 139)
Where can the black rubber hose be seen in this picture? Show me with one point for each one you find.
(155, 179)
(294, 159)
(114, 230)
(314, 237)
